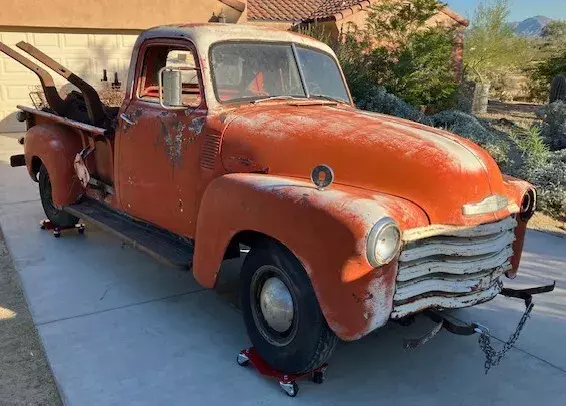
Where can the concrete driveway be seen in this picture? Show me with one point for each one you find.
(119, 329)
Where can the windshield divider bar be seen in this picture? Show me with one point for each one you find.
(301, 73)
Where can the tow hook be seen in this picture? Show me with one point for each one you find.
(455, 326)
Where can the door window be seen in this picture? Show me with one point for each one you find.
(158, 57)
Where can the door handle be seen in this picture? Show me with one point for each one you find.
(127, 119)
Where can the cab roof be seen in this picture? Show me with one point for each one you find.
(204, 35)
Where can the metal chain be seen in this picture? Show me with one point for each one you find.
(494, 357)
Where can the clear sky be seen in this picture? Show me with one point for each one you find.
(520, 9)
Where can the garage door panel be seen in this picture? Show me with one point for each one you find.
(17, 93)
(12, 71)
(128, 41)
(45, 40)
(75, 41)
(107, 41)
(80, 66)
(11, 38)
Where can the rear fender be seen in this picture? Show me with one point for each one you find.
(326, 230)
(56, 146)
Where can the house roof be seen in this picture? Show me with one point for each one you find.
(307, 10)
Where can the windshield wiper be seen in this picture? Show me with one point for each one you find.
(334, 99)
(280, 97)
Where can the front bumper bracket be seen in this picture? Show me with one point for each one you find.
(455, 326)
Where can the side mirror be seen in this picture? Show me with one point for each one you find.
(170, 88)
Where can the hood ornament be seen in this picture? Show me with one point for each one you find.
(322, 176)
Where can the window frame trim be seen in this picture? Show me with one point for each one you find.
(180, 44)
(293, 45)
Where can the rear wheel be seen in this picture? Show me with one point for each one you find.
(58, 217)
(281, 312)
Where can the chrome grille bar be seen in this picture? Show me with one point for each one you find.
(452, 267)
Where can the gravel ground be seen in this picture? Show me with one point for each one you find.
(542, 222)
(25, 376)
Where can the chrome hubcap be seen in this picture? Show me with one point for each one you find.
(276, 303)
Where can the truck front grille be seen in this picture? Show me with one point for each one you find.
(452, 267)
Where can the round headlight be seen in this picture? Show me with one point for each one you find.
(383, 242)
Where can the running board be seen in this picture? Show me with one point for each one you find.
(160, 244)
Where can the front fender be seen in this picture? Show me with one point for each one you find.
(56, 147)
(516, 190)
(326, 230)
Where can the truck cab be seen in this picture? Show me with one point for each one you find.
(240, 135)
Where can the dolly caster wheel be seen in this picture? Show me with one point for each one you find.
(291, 388)
(56, 233)
(318, 377)
(81, 229)
(242, 360)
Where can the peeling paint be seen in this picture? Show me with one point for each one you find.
(172, 137)
(197, 125)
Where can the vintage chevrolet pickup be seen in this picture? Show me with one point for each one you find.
(235, 136)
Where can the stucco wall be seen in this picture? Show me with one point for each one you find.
(359, 19)
(111, 14)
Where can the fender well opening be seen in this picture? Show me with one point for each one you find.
(35, 166)
(228, 277)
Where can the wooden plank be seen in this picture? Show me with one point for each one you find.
(65, 121)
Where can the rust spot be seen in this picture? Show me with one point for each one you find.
(172, 138)
(263, 170)
(196, 126)
(364, 298)
(245, 161)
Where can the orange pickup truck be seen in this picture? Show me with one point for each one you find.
(234, 136)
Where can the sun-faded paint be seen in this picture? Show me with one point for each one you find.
(210, 172)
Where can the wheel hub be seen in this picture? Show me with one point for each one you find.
(276, 303)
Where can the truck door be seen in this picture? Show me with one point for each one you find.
(158, 151)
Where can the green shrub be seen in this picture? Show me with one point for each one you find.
(491, 47)
(553, 127)
(396, 50)
(542, 74)
(550, 181)
(533, 149)
(424, 70)
(377, 99)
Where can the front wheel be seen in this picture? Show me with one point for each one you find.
(58, 217)
(281, 312)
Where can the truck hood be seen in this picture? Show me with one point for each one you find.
(436, 170)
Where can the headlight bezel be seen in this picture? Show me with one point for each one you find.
(374, 258)
(528, 205)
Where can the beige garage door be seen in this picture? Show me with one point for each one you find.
(85, 53)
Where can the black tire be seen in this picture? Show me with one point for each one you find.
(308, 342)
(58, 218)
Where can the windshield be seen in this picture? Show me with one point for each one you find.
(254, 71)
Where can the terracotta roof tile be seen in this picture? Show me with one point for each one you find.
(297, 10)
(302, 10)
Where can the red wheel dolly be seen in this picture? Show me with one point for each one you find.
(48, 225)
(287, 382)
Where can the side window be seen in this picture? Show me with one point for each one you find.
(158, 57)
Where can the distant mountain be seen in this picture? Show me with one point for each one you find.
(531, 26)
